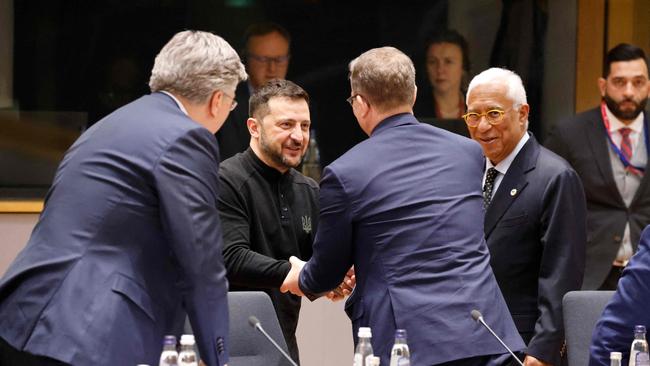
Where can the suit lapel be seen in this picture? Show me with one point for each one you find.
(512, 185)
(594, 129)
(645, 181)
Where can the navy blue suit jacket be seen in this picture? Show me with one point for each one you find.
(629, 306)
(536, 229)
(405, 208)
(128, 237)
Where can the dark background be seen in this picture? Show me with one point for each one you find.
(95, 56)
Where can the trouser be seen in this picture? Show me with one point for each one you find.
(611, 281)
(10, 356)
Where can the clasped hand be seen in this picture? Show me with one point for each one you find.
(291, 282)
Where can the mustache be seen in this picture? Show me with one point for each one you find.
(631, 100)
(292, 144)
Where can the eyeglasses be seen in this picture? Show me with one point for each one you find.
(351, 99)
(279, 60)
(233, 103)
(493, 117)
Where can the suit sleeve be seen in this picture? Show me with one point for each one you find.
(187, 185)
(245, 266)
(332, 250)
(563, 237)
(629, 306)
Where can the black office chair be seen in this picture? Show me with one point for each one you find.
(247, 346)
(581, 310)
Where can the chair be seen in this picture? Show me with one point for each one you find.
(581, 310)
(247, 346)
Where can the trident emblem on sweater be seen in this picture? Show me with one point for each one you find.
(306, 223)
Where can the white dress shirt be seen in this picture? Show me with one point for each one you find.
(503, 166)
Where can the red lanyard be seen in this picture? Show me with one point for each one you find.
(626, 163)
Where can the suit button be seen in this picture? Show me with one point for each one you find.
(220, 345)
(617, 238)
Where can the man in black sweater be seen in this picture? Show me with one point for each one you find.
(269, 211)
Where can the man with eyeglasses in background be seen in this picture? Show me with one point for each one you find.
(266, 56)
(608, 146)
(535, 214)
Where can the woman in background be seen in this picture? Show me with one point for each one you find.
(447, 65)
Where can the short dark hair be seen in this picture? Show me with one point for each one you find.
(258, 105)
(264, 28)
(622, 52)
(453, 37)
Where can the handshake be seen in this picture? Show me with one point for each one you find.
(291, 282)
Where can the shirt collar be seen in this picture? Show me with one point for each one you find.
(615, 124)
(266, 171)
(503, 166)
(178, 102)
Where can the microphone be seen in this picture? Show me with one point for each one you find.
(255, 323)
(479, 318)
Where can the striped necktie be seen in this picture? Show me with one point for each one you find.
(626, 143)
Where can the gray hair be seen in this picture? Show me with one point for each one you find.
(194, 64)
(385, 76)
(514, 86)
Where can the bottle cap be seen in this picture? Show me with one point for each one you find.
(400, 333)
(373, 361)
(169, 340)
(187, 340)
(365, 332)
(639, 329)
(615, 356)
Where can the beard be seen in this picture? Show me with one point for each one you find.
(276, 154)
(615, 107)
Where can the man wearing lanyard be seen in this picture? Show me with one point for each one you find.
(608, 146)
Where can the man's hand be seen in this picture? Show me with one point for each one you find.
(345, 288)
(532, 361)
(293, 277)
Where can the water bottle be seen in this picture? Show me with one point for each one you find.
(639, 350)
(187, 357)
(169, 355)
(400, 355)
(364, 347)
(311, 161)
(615, 358)
(373, 361)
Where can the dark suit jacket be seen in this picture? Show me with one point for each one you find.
(629, 306)
(535, 227)
(233, 136)
(405, 207)
(582, 142)
(129, 234)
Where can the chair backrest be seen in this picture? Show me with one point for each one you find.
(247, 346)
(581, 310)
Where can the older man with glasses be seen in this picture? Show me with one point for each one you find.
(267, 58)
(535, 213)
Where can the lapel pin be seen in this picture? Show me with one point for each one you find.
(513, 192)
